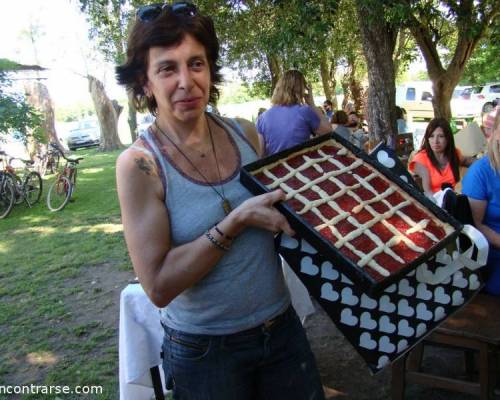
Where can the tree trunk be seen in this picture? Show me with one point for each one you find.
(355, 88)
(132, 116)
(274, 69)
(347, 91)
(379, 40)
(471, 27)
(38, 96)
(328, 79)
(105, 114)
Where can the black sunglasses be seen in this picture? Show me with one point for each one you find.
(152, 11)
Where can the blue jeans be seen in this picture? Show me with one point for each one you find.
(272, 361)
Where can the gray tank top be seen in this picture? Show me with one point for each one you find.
(246, 287)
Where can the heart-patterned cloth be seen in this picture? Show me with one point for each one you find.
(389, 159)
(383, 327)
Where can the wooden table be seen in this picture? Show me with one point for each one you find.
(475, 328)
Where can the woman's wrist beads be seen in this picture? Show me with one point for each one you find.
(219, 239)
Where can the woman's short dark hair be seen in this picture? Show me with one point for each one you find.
(450, 150)
(168, 29)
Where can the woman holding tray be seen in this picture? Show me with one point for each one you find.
(438, 161)
(293, 117)
(201, 245)
(481, 184)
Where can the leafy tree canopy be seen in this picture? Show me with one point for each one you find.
(17, 117)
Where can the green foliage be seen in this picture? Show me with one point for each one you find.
(75, 112)
(484, 64)
(235, 94)
(61, 277)
(17, 117)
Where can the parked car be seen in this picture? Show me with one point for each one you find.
(86, 134)
(416, 99)
(485, 97)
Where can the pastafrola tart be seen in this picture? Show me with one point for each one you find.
(363, 214)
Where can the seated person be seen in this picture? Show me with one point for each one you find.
(358, 135)
(293, 117)
(401, 120)
(438, 161)
(338, 121)
(481, 184)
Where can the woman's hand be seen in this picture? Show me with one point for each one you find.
(308, 95)
(259, 211)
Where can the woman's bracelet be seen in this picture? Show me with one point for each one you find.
(222, 234)
(215, 242)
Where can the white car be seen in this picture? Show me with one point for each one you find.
(484, 97)
(416, 99)
(86, 134)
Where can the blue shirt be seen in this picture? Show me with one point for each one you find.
(285, 126)
(482, 182)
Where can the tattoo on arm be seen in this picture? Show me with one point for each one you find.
(146, 166)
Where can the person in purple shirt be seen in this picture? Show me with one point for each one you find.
(293, 117)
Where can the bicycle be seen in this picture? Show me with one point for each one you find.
(6, 195)
(28, 189)
(48, 162)
(62, 188)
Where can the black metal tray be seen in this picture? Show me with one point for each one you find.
(306, 231)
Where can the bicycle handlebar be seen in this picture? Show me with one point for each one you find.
(69, 159)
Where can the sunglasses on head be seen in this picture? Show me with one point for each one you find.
(153, 11)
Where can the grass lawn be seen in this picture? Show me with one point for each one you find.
(60, 278)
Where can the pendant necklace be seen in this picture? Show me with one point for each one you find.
(226, 205)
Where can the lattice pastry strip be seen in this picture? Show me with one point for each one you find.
(324, 178)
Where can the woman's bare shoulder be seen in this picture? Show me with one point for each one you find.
(137, 158)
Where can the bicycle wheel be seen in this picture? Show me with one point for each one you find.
(17, 185)
(6, 196)
(32, 188)
(59, 193)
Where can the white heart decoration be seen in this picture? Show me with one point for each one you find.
(440, 296)
(459, 280)
(458, 298)
(385, 345)
(405, 289)
(367, 322)
(423, 293)
(439, 313)
(385, 324)
(424, 274)
(307, 248)
(421, 329)
(382, 362)
(391, 289)
(402, 344)
(474, 282)
(423, 313)
(328, 293)
(366, 341)
(345, 279)
(404, 308)
(289, 242)
(348, 297)
(328, 272)
(368, 302)
(307, 266)
(347, 318)
(384, 159)
(404, 329)
(386, 305)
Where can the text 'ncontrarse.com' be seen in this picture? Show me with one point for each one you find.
(52, 389)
